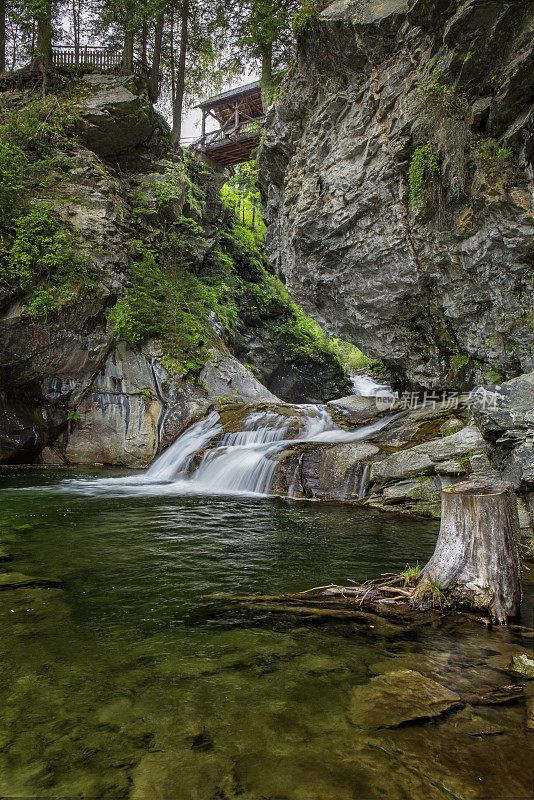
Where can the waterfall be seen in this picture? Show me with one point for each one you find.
(243, 461)
(174, 462)
(207, 459)
(364, 482)
(366, 386)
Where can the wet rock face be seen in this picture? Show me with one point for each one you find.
(505, 417)
(286, 372)
(442, 298)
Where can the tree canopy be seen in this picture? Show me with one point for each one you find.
(188, 48)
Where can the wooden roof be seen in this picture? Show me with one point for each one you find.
(222, 106)
(240, 114)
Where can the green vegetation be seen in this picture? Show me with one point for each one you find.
(307, 14)
(44, 258)
(494, 377)
(40, 254)
(170, 304)
(409, 574)
(465, 463)
(443, 119)
(175, 185)
(186, 292)
(353, 359)
(432, 593)
(423, 179)
(493, 158)
(426, 490)
(188, 307)
(241, 197)
(529, 547)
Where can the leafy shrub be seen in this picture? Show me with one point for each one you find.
(45, 259)
(176, 184)
(169, 304)
(308, 13)
(443, 116)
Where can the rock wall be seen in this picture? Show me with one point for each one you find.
(444, 297)
(72, 391)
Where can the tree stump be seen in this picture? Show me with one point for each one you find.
(476, 559)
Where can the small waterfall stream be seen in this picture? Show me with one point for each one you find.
(209, 459)
(242, 461)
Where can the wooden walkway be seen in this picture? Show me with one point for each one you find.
(241, 117)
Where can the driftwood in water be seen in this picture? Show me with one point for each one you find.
(476, 559)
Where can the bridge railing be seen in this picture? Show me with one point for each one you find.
(89, 56)
(246, 129)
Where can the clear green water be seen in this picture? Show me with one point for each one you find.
(128, 682)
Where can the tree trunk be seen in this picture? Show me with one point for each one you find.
(128, 51)
(267, 66)
(2, 35)
(180, 77)
(144, 36)
(153, 79)
(44, 34)
(172, 63)
(76, 30)
(476, 559)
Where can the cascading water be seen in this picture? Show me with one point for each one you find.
(366, 386)
(242, 461)
(207, 460)
(174, 462)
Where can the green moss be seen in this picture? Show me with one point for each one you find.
(493, 158)
(494, 377)
(306, 16)
(460, 361)
(170, 304)
(175, 184)
(426, 489)
(422, 175)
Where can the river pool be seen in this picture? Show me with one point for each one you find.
(129, 681)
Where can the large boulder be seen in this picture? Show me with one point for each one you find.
(118, 114)
(225, 378)
(424, 458)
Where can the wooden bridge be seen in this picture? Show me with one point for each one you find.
(100, 58)
(241, 117)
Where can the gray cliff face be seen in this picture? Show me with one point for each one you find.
(441, 298)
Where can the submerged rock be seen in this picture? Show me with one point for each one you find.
(473, 724)
(16, 580)
(396, 698)
(523, 664)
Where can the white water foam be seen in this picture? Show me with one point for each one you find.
(240, 462)
(366, 386)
